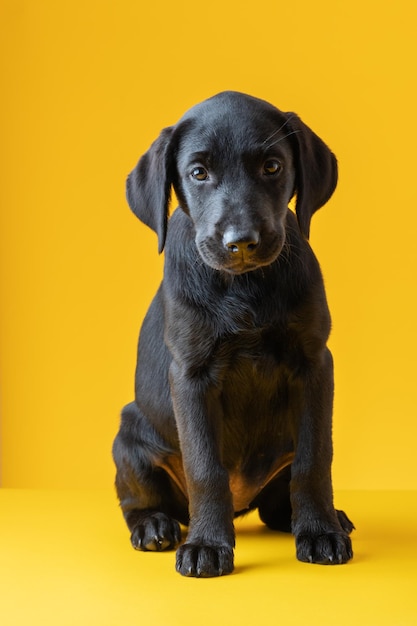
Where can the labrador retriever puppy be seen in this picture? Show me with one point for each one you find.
(234, 382)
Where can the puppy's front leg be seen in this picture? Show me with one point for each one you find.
(208, 550)
(321, 532)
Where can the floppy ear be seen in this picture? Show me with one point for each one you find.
(316, 172)
(148, 187)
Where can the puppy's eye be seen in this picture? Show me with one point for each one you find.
(199, 173)
(271, 167)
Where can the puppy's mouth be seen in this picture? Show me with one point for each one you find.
(242, 267)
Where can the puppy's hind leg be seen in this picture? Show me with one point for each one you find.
(274, 503)
(151, 503)
(151, 528)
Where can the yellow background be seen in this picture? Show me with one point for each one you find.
(86, 87)
(72, 565)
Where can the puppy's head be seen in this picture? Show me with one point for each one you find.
(234, 162)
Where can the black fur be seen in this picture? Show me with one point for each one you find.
(234, 382)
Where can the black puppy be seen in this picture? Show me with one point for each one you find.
(234, 382)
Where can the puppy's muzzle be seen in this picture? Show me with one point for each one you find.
(239, 250)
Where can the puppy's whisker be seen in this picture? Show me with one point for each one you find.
(289, 251)
(278, 130)
(293, 132)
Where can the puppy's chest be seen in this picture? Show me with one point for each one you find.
(256, 385)
(258, 382)
(259, 354)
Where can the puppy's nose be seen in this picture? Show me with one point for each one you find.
(241, 243)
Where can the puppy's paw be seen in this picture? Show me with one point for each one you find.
(332, 548)
(204, 561)
(155, 531)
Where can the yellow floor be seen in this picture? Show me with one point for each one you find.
(65, 560)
